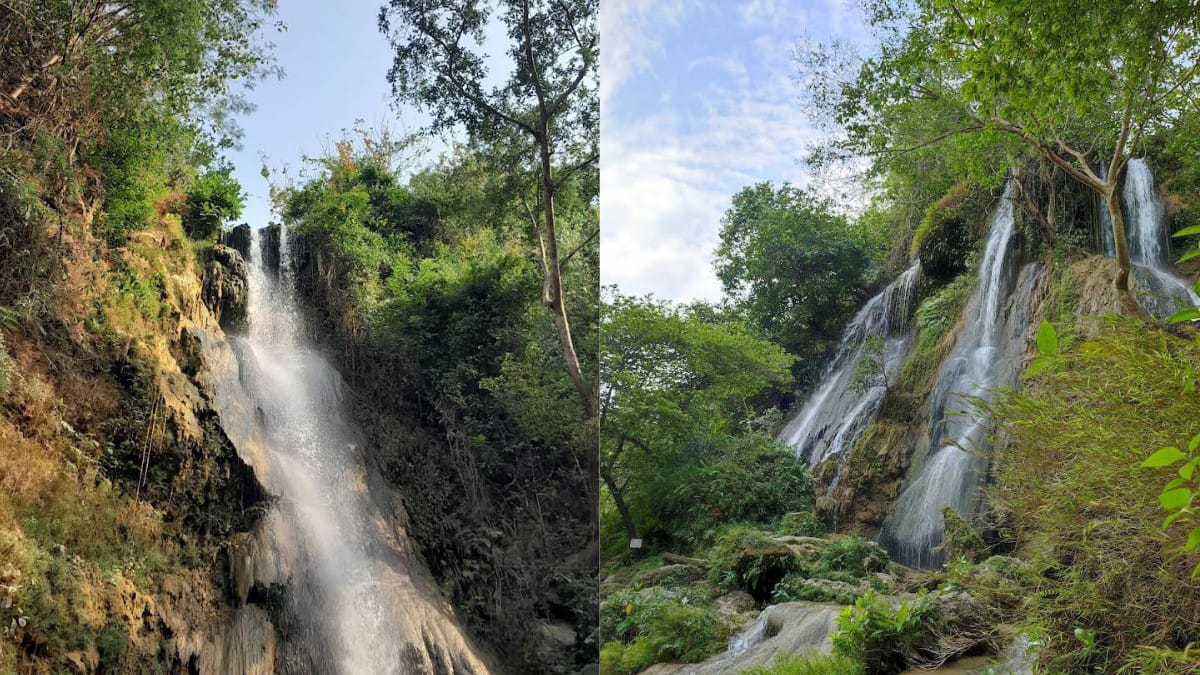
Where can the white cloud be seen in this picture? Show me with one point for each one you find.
(627, 38)
(668, 176)
(772, 13)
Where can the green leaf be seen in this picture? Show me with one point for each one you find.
(1189, 255)
(1038, 365)
(1175, 482)
(1175, 499)
(1194, 229)
(1163, 457)
(1047, 339)
(1186, 314)
(1172, 518)
(1194, 443)
(1193, 539)
(1186, 471)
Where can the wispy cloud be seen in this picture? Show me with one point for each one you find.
(727, 115)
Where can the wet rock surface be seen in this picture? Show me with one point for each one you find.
(792, 628)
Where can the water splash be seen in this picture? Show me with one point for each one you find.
(834, 417)
(983, 358)
(362, 601)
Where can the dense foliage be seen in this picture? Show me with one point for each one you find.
(683, 450)
(799, 269)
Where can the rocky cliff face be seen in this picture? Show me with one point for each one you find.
(125, 506)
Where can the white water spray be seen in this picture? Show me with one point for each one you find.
(834, 417)
(363, 602)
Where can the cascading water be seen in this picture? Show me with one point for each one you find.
(359, 597)
(834, 417)
(1159, 290)
(983, 359)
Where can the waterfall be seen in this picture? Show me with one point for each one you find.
(983, 358)
(1159, 290)
(752, 635)
(360, 599)
(833, 418)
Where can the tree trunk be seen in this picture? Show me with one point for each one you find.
(622, 507)
(552, 290)
(1129, 303)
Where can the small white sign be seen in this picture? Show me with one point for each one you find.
(635, 543)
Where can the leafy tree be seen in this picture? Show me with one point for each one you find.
(798, 268)
(117, 58)
(1072, 84)
(546, 113)
(669, 378)
(214, 199)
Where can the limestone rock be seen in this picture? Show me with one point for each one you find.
(735, 603)
(271, 241)
(792, 628)
(225, 287)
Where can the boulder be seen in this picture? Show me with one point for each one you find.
(735, 603)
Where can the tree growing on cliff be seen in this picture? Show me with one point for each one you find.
(546, 113)
(796, 268)
(214, 198)
(1074, 84)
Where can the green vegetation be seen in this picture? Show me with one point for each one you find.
(543, 123)
(679, 411)
(658, 624)
(214, 198)
(1091, 493)
(880, 634)
(109, 112)
(1081, 506)
(797, 269)
(429, 291)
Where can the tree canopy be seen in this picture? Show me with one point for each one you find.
(798, 268)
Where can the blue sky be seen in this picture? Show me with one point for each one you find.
(698, 99)
(335, 62)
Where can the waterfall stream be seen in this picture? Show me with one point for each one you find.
(834, 417)
(1159, 290)
(985, 356)
(360, 599)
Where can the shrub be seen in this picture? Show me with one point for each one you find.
(881, 635)
(946, 237)
(651, 625)
(796, 587)
(750, 560)
(752, 481)
(855, 556)
(801, 524)
(1070, 488)
(213, 199)
(112, 641)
